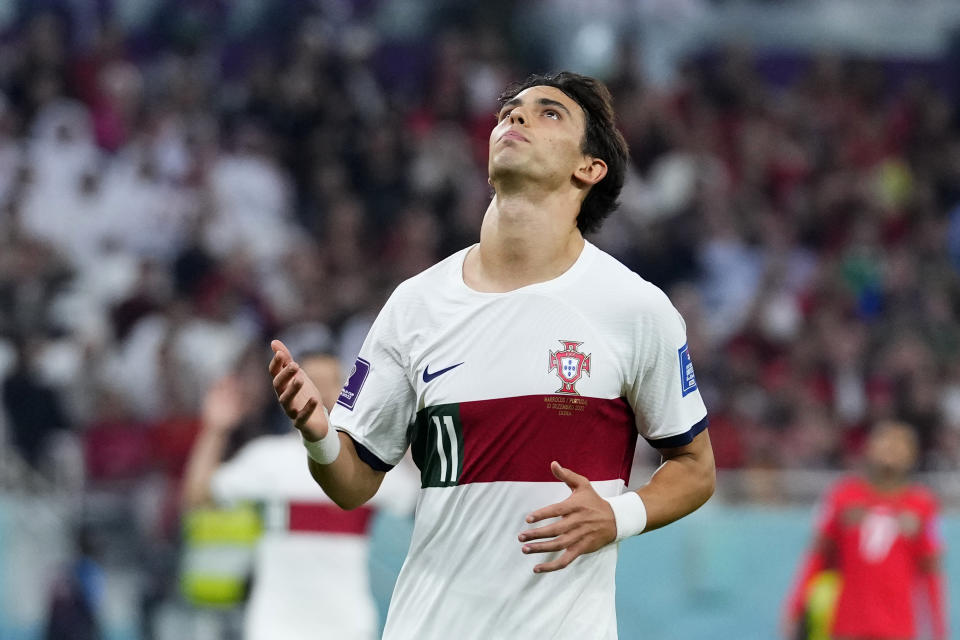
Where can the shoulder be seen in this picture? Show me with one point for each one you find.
(625, 290)
(923, 498)
(430, 279)
(415, 299)
(846, 488)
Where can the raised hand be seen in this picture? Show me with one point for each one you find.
(586, 523)
(224, 405)
(298, 395)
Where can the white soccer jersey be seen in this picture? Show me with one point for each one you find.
(311, 574)
(487, 389)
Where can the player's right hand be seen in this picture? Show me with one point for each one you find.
(297, 394)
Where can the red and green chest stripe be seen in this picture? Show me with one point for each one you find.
(515, 439)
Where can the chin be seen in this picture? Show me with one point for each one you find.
(508, 165)
(498, 171)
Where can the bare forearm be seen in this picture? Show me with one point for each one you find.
(204, 458)
(348, 480)
(681, 485)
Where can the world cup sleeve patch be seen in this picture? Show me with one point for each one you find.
(688, 382)
(348, 396)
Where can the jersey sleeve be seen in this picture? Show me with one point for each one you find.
(378, 402)
(827, 523)
(663, 393)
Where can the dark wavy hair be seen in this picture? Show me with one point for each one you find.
(601, 138)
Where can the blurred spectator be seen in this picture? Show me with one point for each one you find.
(34, 407)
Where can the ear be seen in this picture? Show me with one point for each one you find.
(591, 171)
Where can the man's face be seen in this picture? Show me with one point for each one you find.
(892, 449)
(325, 373)
(539, 134)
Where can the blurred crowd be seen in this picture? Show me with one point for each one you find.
(164, 214)
(168, 203)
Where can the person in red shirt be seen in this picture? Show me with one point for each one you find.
(880, 532)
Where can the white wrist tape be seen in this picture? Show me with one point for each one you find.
(326, 449)
(630, 514)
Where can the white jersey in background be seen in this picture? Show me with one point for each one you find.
(311, 573)
(487, 389)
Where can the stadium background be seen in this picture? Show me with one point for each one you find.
(181, 180)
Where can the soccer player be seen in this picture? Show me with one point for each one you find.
(519, 371)
(311, 574)
(880, 532)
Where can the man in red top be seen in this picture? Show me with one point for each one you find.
(881, 533)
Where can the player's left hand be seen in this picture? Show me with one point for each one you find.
(586, 523)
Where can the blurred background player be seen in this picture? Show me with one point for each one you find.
(881, 533)
(310, 576)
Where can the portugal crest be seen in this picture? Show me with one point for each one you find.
(570, 365)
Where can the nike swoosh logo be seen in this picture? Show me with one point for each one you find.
(427, 376)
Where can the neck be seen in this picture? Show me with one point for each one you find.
(526, 237)
(887, 482)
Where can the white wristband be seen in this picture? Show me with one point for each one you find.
(630, 514)
(326, 449)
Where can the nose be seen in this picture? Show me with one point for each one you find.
(517, 116)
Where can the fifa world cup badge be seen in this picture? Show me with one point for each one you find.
(570, 365)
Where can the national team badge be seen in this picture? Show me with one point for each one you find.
(570, 365)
